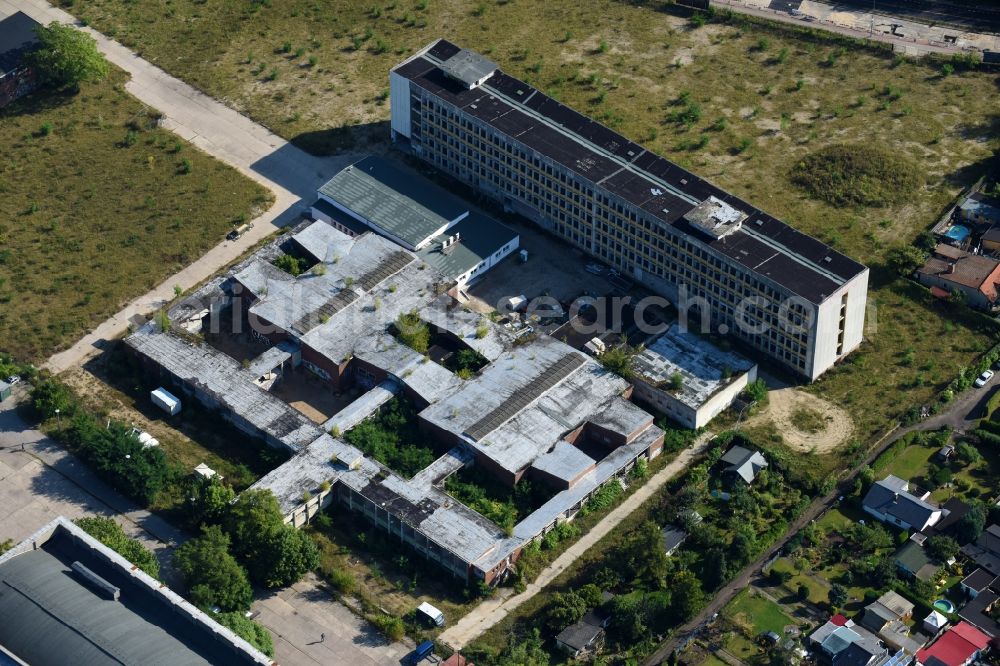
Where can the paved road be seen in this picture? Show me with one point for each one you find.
(492, 611)
(908, 36)
(961, 414)
(289, 173)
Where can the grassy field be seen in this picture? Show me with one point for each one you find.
(740, 104)
(99, 205)
(762, 614)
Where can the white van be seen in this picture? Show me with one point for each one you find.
(431, 613)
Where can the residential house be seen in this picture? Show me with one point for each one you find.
(973, 275)
(983, 611)
(959, 646)
(673, 537)
(980, 208)
(847, 645)
(457, 659)
(584, 637)
(17, 38)
(979, 581)
(986, 550)
(743, 463)
(891, 501)
(913, 560)
(888, 618)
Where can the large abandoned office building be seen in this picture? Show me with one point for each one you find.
(649, 218)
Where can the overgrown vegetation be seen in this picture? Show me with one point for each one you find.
(111, 534)
(481, 492)
(653, 592)
(858, 175)
(393, 438)
(66, 57)
(412, 331)
(294, 266)
(88, 221)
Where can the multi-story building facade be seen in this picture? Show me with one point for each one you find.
(713, 255)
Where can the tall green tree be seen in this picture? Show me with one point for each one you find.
(66, 57)
(213, 576)
(208, 500)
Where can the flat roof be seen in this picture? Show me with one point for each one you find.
(17, 37)
(565, 462)
(403, 204)
(53, 615)
(479, 238)
(704, 368)
(217, 375)
(606, 159)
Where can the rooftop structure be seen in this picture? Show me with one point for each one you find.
(891, 501)
(710, 379)
(469, 68)
(654, 221)
(66, 598)
(848, 645)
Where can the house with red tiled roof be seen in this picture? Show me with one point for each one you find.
(975, 276)
(958, 646)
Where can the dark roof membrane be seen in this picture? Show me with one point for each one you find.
(812, 283)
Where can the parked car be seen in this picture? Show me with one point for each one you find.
(594, 269)
(983, 378)
(13, 379)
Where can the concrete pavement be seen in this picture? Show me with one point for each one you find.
(493, 610)
(290, 174)
(310, 628)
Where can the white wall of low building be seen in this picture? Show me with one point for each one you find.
(489, 262)
(688, 416)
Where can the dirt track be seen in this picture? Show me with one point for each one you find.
(782, 404)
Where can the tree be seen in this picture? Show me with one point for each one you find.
(941, 548)
(802, 592)
(868, 538)
(208, 500)
(250, 631)
(972, 524)
(838, 595)
(529, 651)
(111, 534)
(618, 359)
(627, 621)
(286, 556)
(688, 597)
(564, 610)
(644, 557)
(66, 57)
(904, 259)
(968, 454)
(213, 576)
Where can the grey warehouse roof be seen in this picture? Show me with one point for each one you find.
(402, 204)
(479, 237)
(53, 615)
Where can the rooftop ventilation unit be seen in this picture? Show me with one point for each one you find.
(95, 582)
(715, 217)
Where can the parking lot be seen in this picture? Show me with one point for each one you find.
(553, 269)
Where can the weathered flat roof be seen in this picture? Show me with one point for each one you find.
(565, 462)
(403, 204)
(17, 37)
(605, 158)
(704, 368)
(532, 429)
(468, 67)
(479, 238)
(53, 615)
(212, 372)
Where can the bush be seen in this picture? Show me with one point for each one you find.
(250, 631)
(111, 534)
(413, 332)
(858, 175)
(390, 626)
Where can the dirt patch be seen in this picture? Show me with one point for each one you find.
(827, 427)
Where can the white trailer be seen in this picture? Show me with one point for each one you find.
(165, 401)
